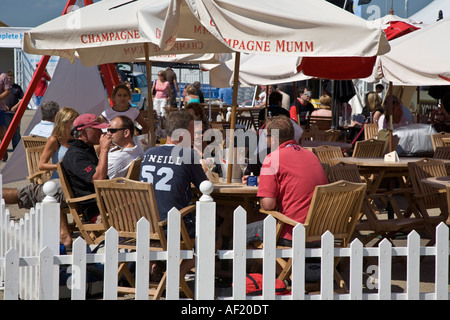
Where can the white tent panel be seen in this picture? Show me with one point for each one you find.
(72, 85)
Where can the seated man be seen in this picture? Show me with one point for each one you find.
(171, 168)
(288, 177)
(81, 163)
(124, 150)
(274, 108)
(48, 113)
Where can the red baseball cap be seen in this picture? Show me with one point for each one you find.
(88, 120)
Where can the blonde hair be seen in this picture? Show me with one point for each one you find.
(191, 90)
(373, 101)
(325, 102)
(63, 120)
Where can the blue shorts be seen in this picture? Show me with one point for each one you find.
(2, 118)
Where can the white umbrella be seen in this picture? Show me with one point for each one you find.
(307, 28)
(104, 32)
(256, 69)
(417, 58)
(107, 32)
(284, 27)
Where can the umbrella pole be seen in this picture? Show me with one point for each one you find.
(237, 63)
(418, 108)
(151, 119)
(210, 98)
(391, 117)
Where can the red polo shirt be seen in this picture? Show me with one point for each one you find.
(290, 175)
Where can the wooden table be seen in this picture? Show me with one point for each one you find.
(374, 170)
(235, 194)
(308, 144)
(437, 182)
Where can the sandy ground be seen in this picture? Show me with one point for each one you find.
(398, 270)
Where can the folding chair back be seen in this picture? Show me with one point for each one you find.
(33, 141)
(335, 207)
(92, 233)
(326, 154)
(33, 155)
(371, 148)
(436, 139)
(425, 168)
(134, 170)
(370, 131)
(123, 202)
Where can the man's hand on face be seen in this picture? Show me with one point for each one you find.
(105, 142)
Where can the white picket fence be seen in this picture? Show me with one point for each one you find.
(29, 267)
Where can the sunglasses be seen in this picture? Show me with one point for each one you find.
(114, 130)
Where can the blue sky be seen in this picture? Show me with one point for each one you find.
(31, 13)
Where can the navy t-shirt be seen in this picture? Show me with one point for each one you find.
(79, 162)
(171, 170)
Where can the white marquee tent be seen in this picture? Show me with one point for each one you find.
(429, 14)
(73, 85)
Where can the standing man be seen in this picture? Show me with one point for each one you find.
(171, 76)
(41, 86)
(12, 103)
(226, 95)
(302, 106)
(5, 91)
(288, 177)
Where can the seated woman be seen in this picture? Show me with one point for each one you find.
(324, 109)
(191, 95)
(55, 149)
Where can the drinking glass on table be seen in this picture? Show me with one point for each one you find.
(242, 159)
(209, 164)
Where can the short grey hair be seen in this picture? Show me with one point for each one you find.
(49, 110)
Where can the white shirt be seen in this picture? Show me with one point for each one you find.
(119, 160)
(42, 129)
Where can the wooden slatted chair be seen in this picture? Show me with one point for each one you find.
(436, 139)
(335, 207)
(327, 153)
(33, 141)
(443, 153)
(332, 135)
(370, 131)
(247, 122)
(92, 233)
(122, 203)
(33, 155)
(369, 222)
(426, 196)
(371, 148)
(322, 123)
(134, 170)
(254, 114)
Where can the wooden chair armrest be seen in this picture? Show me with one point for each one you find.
(187, 210)
(279, 216)
(38, 174)
(183, 212)
(84, 198)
